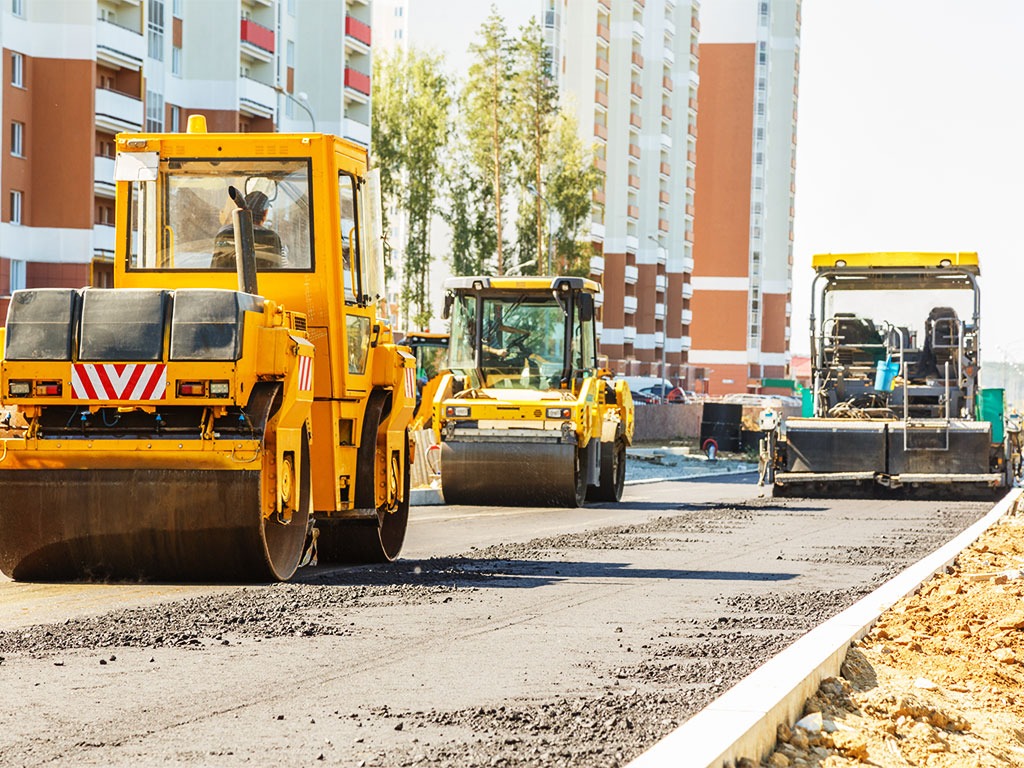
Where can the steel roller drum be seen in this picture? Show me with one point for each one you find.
(508, 473)
(153, 524)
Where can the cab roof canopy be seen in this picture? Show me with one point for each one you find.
(541, 283)
(966, 261)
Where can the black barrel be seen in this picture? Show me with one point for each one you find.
(721, 422)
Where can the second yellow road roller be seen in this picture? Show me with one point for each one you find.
(525, 416)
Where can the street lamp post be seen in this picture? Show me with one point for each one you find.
(551, 241)
(301, 99)
(664, 322)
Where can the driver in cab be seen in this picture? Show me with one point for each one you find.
(270, 253)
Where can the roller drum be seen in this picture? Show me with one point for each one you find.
(509, 473)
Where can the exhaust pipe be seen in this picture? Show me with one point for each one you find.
(245, 243)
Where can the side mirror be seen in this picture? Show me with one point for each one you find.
(585, 302)
(449, 299)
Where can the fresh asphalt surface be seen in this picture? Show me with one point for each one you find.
(503, 636)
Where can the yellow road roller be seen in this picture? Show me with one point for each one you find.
(525, 416)
(236, 400)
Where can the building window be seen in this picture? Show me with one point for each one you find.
(176, 9)
(175, 119)
(155, 25)
(399, 10)
(16, 204)
(18, 7)
(17, 279)
(17, 70)
(291, 7)
(17, 139)
(154, 112)
(176, 61)
(290, 55)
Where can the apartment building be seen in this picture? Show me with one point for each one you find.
(75, 73)
(746, 161)
(628, 68)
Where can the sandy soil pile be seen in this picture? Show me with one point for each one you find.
(939, 681)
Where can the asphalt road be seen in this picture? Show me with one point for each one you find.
(502, 637)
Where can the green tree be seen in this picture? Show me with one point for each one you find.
(411, 127)
(486, 106)
(572, 181)
(536, 105)
(469, 213)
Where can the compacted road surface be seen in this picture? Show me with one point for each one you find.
(504, 636)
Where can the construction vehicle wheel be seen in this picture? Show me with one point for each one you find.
(377, 540)
(613, 471)
(579, 496)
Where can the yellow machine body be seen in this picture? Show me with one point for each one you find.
(525, 416)
(178, 426)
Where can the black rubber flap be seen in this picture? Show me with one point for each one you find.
(206, 324)
(41, 324)
(122, 324)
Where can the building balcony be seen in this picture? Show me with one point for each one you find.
(633, 181)
(598, 196)
(666, 111)
(606, 4)
(357, 81)
(255, 35)
(601, 64)
(601, 98)
(629, 333)
(633, 212)
(357, 30)
(638, 60)
(687, 316)
(685, 343)
(256, 99)
(634, 150)
(603, 32)
(601, 164)
(687, 290)
(632, 274)
(636, 89)
(116, 112)
(664, 197)
(597, 232)
(660, 282)
(669, 56)
(103, 239)
(629, 304)
(665, 169)
(632, 242)
(600, 131)
(638, 32)
(597, 265)
(663, 225)
(666, 141)
(357, 131)
(659, 311)
(119, 46)
(103, 176)
(670, 27)
(688, 265)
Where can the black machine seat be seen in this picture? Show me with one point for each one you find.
(855, 341)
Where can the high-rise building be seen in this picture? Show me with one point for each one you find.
(746, 160)
(77, 73)
(628, 69)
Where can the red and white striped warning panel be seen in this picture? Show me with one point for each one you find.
(305, 373)
(410, 382)
(119, 381)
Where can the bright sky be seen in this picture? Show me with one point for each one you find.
(910, 135)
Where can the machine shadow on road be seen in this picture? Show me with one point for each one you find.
(482, 573)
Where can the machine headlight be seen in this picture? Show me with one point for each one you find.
(459, 411)
(559, 413)
(220, 388)
(19, 388)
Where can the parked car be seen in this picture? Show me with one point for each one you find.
(642, 397)
(666, 393)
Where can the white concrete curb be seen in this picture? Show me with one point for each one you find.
(694, 476)
(742, 721)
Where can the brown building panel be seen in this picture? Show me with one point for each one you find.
(773, 329)
(613, 311)
(40, 274)
(725, 126)
(719, 320)
(60, 139)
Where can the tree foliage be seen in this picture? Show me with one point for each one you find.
(572, 181)
(486, 108)
(411, 126)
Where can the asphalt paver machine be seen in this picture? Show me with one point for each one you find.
(895, 404)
